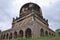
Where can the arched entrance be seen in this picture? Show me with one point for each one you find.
(21, 33)
(28, 32)
(15, 34)
(41, 32)
(10, 36)
(52, 34)
(49, 33)
(4, 36)
(46, 33)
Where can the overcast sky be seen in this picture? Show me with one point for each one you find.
(10, 9)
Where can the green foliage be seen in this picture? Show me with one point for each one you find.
(58, 31)
(41, 38)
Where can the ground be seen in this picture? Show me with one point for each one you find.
(41, 38)
(55, 39)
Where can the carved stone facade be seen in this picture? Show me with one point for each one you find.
(30, 23)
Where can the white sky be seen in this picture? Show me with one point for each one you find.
(12, 7)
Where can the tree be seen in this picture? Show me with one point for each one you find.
(58, 31)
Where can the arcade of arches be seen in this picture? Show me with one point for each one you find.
(28, 33)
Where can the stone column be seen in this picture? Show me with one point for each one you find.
(8, 36)
(23, 33)
(12, 34)
(17, 33)
(44, 33)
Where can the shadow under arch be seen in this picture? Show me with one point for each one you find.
(41, 32)
(4, 36)
(7, 36)
(28, 32)
(15, 34)
(21, 33)
(10, 36)
(46, 33)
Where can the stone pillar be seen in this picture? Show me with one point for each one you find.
(44, 33)
(8, 35)
(23, 33)
(17, 33)
(12, 34)
(32, 34)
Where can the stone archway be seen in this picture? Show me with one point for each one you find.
(4, 36)
(41, 32)
(46, 33)
(21, 33)
(49, 33)
(10, 36)
(28, 32)
(15, 34)
(52, 34)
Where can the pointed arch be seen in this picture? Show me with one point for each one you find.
(46, 33)
(21, 33)
(41, 32)
(15, 34)
(4, 36)
(28, 32)
(10, 37)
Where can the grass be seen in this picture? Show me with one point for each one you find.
(41, 38)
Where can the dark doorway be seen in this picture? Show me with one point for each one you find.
(4, 36)
(21, 33)
(28, 32)
(10, 36)
(15, 34)
(49, 34)
(41, 32)
(46, 33)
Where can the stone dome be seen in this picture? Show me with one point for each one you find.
(29, 7)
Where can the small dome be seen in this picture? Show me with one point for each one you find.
(30, 6)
